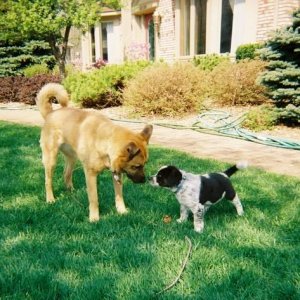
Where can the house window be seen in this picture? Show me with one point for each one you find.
(200, 26)
(226, 25)
(204, 26)
(185, 27)
(104, 27)
(92, 31)
(151, 39)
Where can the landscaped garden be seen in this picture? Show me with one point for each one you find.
(53, 252)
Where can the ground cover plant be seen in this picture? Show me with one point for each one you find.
(53, 252)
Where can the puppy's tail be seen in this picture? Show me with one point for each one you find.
(45, 95)
(239, 166)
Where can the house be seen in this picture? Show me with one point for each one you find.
(174, 30)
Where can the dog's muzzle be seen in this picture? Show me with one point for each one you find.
(137, 178)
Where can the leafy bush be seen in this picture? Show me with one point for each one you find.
(282, 77)
(36, 70)
(261, 118)
(14, 59)
(166, 90)
(23, 89)
(210, 61)
(247, 51)
(103, 87)
(235, 83)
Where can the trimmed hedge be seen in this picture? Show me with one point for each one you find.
(247, 51)
(23, 89)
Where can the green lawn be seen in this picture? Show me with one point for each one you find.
(53, 252)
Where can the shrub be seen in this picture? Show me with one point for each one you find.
(235, 83)
(210, 61)
(36, 70)
(165, 90)
(282, 77)
(103, 87)
(261, 118)
(7, 91)
(247, 51)
(23, 89)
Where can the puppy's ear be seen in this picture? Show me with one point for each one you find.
(147, 132)
(132, 150)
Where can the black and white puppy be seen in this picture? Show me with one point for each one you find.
(196, 193)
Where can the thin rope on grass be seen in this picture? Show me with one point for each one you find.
(173, 283)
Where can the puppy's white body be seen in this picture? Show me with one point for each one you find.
(196, 193)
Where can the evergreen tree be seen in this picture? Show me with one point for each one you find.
(282, 77)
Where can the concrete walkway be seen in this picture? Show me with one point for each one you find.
(276, 160)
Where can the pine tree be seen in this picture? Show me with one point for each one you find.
(282, 77)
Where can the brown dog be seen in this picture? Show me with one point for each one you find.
(95, 141)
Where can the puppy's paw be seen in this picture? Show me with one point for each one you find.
(198, 230)
(180, 220)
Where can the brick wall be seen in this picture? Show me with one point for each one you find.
(166, 42)
(273, 14)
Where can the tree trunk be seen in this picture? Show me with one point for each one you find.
(60, 53)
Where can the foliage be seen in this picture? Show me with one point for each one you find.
(53, 252)
(23, 89)
(260, 118)
(167, 90)
(209, 61)
(52, 21)
(282, 77)
(103, 87)
(247, 51)
(36, 70)
(14, 59)
(235, 84)
(289, 115)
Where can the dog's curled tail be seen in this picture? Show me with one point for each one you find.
(45, 95)
(239, 166)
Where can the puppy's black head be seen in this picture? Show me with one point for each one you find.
(168, 177)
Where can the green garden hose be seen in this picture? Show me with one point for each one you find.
(220, 123)
(217, 123)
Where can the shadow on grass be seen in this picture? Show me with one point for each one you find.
(53, 252)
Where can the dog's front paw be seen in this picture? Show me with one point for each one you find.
(94, 218)
(50, 200)
(122, 210)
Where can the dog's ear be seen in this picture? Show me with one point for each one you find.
(132, 150)
(147, 132)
